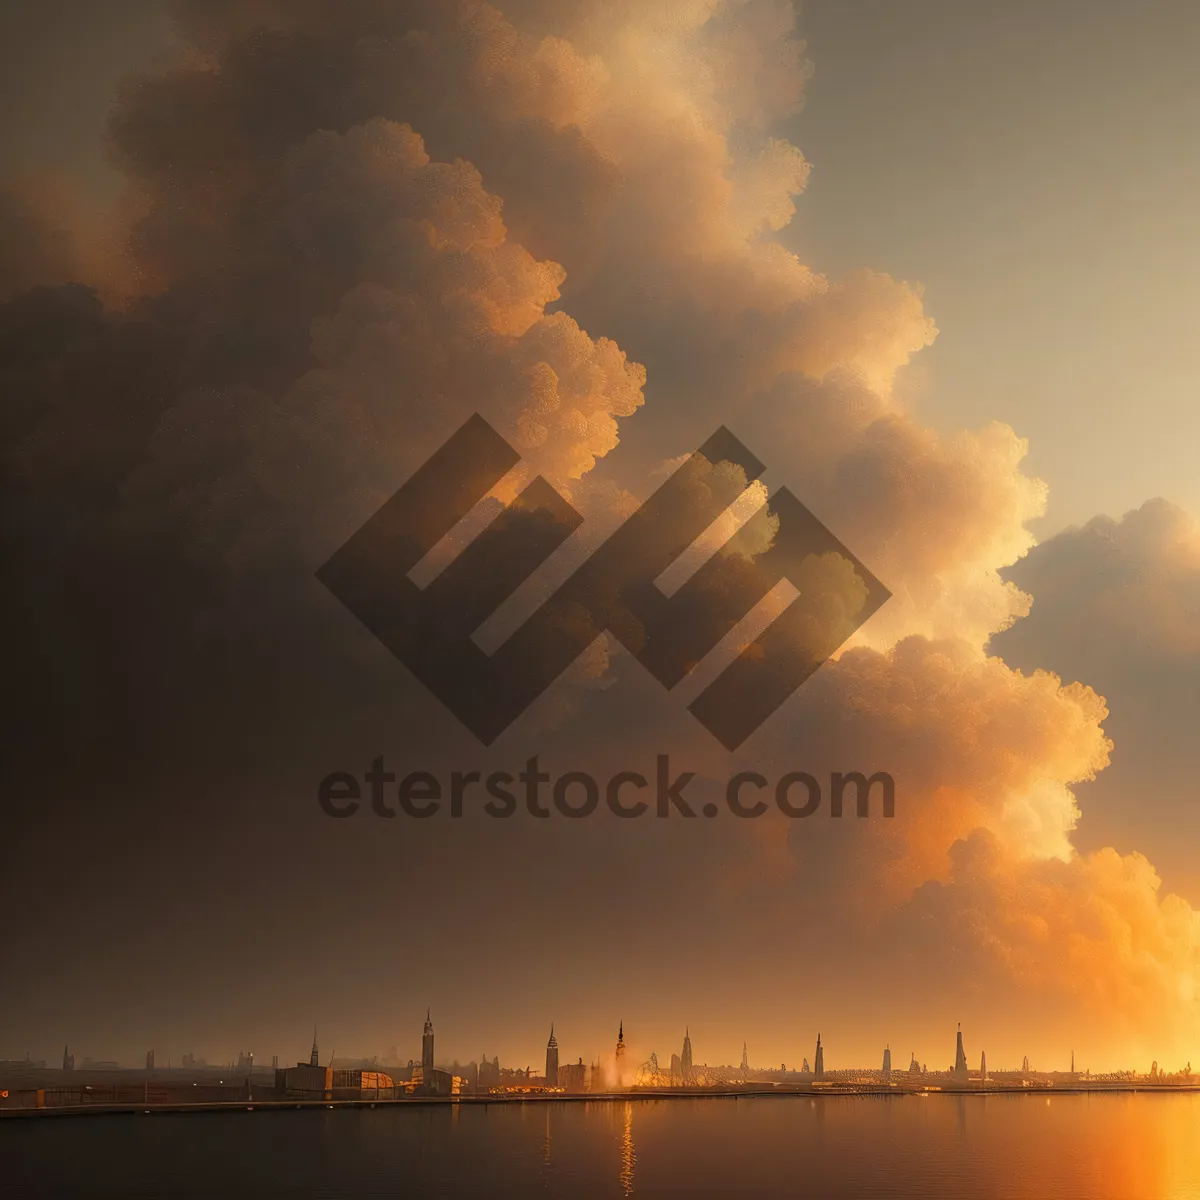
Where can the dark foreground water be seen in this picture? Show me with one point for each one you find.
(1116, 1147)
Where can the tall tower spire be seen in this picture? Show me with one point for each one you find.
(552, 1059)
(819, 1060)
(314, 1059)
(427, 1051)
(960, 1057)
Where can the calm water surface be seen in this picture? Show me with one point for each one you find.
(1131, 1147)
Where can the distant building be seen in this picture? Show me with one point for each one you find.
(983, 1066)
(676, 1070)
(819, 1061)
(552, 1059)
(489, 1073)
(362, 1085)
(687, 1072)
(68, 1060)
(914, 1067)
(620, 1052)
(805, 1068)
(468, 1074)
(573, 1076)
(442, 1083)
(745, 1058)
(433, 1082)
(887, 1062)
(29, 1064)
(314, 1059)
(960, 1059)
(307, 1082)
(149, 1060)
(1025, 1065)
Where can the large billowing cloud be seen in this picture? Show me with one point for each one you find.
(1116, 604)
(359, 223)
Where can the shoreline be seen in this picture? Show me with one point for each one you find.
(291, 1105)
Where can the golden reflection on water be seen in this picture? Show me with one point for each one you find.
(628, 1157)
(1071, 1147)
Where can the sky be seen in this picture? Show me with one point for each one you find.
(930, 262)
(1030, 165)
